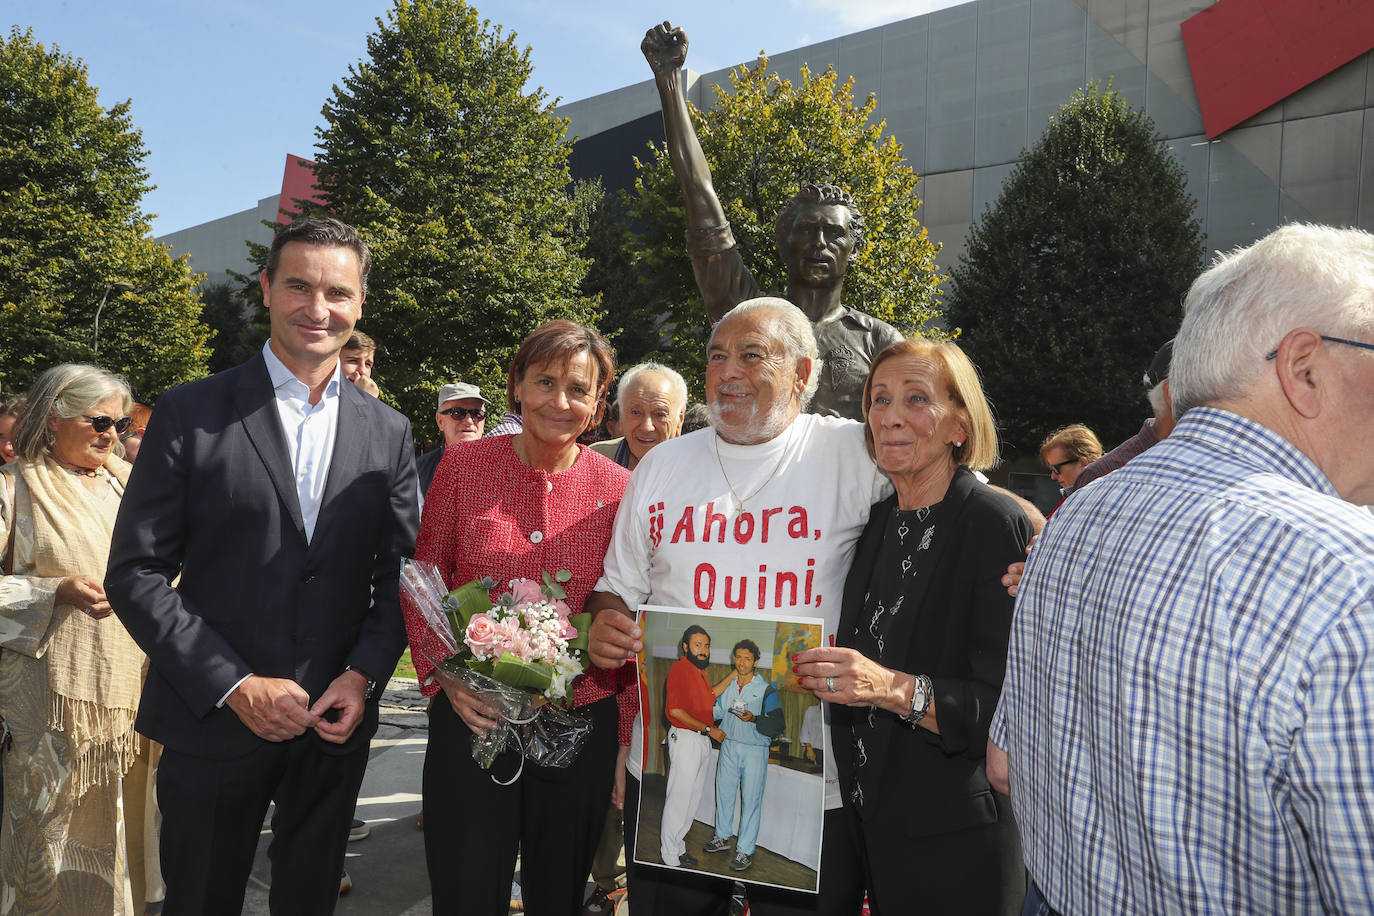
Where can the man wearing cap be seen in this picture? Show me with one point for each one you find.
(462, 414)
(1156, 428)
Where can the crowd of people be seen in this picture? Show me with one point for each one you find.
(1173, 714)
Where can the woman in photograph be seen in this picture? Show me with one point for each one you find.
(922, 646)
(511, 507)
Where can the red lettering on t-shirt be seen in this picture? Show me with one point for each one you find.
(810, 574)
(797, 528)
(744, 527)
(766, 514)
(712, 517)
(707, 572)
(737, 602)
(686, 526)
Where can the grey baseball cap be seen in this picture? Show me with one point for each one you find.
(458, 390)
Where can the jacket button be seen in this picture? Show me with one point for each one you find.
(536, 537)
(308, 577)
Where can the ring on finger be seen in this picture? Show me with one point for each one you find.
(830, 684)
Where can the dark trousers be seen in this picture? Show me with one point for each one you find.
(474, 827)
(656, 891)
(973, 872)
(212, 813)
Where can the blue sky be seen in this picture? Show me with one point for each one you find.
(224, 89)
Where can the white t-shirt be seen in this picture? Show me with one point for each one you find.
(679, 541)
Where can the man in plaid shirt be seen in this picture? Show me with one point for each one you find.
(1188, 711)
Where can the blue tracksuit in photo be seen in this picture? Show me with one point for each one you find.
(743, 764)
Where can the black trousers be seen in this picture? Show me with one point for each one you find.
(212, 813)
(474, 827)
(656, 891)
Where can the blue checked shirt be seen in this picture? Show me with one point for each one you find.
(1189, 699)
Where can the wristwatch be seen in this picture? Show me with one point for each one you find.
(371, 689)
(920, 700)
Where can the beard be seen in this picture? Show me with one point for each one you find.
(764, 422)
(701, 663)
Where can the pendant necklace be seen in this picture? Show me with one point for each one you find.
(740, 500)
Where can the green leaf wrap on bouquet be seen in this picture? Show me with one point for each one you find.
(512, 671)
(583, 623)
(463, 602)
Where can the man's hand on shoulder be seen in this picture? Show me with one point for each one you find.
(347, 694)
(273, 708)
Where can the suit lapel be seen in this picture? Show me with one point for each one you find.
(257, 405)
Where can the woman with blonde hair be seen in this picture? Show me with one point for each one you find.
(76, 777)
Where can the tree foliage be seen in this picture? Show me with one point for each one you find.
(1075, 276)
(763, 138)
(240, 325)
(71, 185)
(458, 179)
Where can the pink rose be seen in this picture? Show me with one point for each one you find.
(562, 608)
(525, 590)
(482, 634)
(569, 631)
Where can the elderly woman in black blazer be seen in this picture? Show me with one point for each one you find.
(922, 645)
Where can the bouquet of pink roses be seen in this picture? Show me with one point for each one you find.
(516, 654)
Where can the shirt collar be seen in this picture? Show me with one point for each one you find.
(286, 383)
(1254, 441)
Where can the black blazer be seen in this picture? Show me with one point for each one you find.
(212, 498)
(929, 784)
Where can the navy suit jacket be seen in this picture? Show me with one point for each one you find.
(212, 499)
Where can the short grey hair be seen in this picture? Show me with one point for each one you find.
(69, 390)
(1299, 275)
(793, 329)
(676, 384)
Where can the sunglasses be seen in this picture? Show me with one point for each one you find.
(1059, 468)
(477, 413)
(102, 423)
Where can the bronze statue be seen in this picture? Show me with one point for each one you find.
(817, 233)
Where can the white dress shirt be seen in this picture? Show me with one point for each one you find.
(310, 431)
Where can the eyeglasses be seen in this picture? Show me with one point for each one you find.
(477, 413)
(1273, 354)
(1059, 468)
(102, 423)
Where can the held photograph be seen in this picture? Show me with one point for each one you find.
(733, 748)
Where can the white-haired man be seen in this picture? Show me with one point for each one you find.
(653, 402)
(762, 511)
(1191, 671)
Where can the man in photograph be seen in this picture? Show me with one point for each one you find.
(688, 699)
(743, 765)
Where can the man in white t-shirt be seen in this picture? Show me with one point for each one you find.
(758, 514)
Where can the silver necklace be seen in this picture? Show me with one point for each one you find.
(740, 500)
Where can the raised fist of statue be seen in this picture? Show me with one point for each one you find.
(664, 47)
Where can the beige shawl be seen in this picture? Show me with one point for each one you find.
(95, 669)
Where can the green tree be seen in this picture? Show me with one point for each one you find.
(1076, 274)
(240, 325)
(762, 139)
(71, 185)
(458, 179)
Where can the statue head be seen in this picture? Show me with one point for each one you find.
(817, 234)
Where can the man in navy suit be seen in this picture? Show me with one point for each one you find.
(284, 498)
